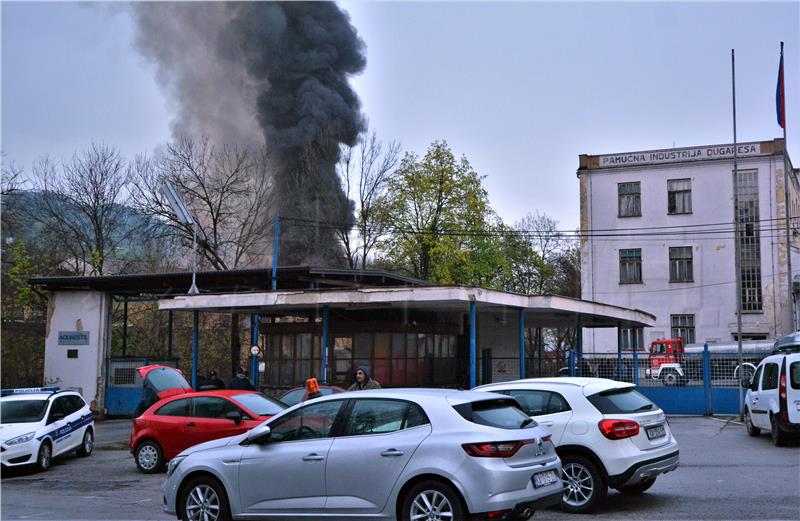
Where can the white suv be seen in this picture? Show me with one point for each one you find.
(772, 401)
(606, 433)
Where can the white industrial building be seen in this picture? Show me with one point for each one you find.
(658, 234)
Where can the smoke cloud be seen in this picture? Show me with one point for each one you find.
(267, 73)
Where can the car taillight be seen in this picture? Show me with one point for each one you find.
(618, 429)
(782, 398)
(493, 449)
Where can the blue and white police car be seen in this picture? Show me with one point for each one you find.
(40, 423)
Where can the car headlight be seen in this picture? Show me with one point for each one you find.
(173, 464)
(21, 439)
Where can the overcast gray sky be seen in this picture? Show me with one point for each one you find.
(520, 88)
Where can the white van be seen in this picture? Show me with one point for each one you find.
(772, 401)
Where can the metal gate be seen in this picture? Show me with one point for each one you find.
(124, 385)
(710, 383)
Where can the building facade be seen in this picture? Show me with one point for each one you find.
(658, 234)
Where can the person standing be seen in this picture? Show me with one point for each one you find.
(241, 382)
(363, 381)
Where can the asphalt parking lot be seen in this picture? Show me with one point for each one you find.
(724, 474)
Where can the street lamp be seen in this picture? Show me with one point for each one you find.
(184, 217)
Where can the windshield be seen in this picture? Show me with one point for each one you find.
(22, 411)
(164, 378)
(618, 401)
(259, 404)
(504, 414)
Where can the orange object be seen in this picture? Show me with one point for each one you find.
(312, 387)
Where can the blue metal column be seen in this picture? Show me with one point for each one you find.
(707, 380)
(325, 344)
(195, 346)
(473, 315)
(125, 327)
(522, 373)
(635, 344)
(254, 323)
(579, 346)
(169, 334)
(275, 253)
(619, 352)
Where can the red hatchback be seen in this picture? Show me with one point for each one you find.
(186, 418)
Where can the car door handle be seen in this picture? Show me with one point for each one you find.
(392, 452)
(313, 457)
(547, 424)
(190, 424)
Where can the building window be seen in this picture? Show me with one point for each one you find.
(679, 196)
(680, 264)
(626, 338)
(630, 200)
(747, 212)
(630, 266)
(683, 326)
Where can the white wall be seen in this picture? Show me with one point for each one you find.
(711, 297)
(499, 331)
(77, 311)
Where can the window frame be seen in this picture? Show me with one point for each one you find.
(673, 193)
(551, 395)
(767, 373)
(625, 263)
(229, 403)
(187, 408)
(689, 328)
(678, 262)
(333, 432)
(635, 199)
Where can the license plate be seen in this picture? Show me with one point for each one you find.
(656, 432)
(545, 478)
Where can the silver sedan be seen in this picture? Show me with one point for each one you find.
(410, 454)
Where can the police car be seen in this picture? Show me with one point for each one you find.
(40, 423)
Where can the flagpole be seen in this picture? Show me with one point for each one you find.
(737, 242)
(787, 200)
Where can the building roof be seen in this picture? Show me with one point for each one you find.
(544, 310)
(242, 280)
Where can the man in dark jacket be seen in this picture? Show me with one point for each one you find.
(363, 380)
(241, 382)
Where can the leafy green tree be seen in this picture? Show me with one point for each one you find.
(438, 213)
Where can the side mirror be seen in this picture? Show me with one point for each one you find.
(235, 416)
(257, 434)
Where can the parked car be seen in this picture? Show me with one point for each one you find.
(379, 454)
(606, 433)
(772, 401)
(41, 423)
(182, 420)
(300, 394)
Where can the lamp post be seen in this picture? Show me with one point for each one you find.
(254, 351)
(184, 217)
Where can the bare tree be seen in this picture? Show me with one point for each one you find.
(82, 206)
(365, 170)
(228, 191)
(11, 179)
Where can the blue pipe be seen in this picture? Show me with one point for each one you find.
(522, 343)
(325, 344)
(472, 319)
(255, 321)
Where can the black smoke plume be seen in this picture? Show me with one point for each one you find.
(267, 73)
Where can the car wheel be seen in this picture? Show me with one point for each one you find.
(669, 378)
(45, 456)
(778, 436)
(204, 499)
(752, 430)
(432, 500)
(639, 487)
(584, 485)
(87, 446)
(149, 457)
